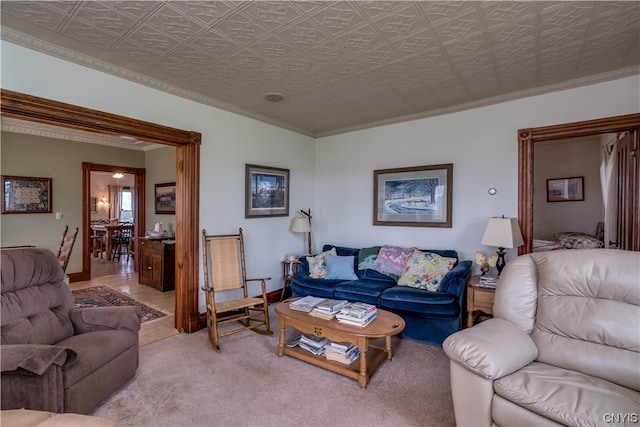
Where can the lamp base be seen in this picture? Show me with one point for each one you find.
(500, 263)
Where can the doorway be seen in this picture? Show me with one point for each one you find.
(35, 109)
(528, 138)
(103, 209)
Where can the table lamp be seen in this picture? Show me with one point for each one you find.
(302, 224)
(502, 233)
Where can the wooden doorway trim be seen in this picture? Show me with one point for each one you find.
(139, 219)
(526, 140)
(31, 108)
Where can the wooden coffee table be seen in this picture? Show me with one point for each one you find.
(385, 325)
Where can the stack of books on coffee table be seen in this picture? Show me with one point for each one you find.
(328, 308)
(306, 304)
(313, 344)
(357, 314)
(345, 353)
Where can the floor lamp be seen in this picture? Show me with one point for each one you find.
(302, 224)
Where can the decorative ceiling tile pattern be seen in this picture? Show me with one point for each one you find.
(341, 65)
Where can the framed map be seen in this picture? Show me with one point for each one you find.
(24, 194)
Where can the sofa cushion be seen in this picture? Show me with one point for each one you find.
(420, 302)
(340, 267)
(94, 350)
(425, 270)
(565, 396)
(317, 264)
(35, 300)
(392, 260)
(362, 290)
(304, 285)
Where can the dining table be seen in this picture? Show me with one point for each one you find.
(109, 230)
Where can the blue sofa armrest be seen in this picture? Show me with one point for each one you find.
(455, 281)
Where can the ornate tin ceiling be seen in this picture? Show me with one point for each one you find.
(334, 66)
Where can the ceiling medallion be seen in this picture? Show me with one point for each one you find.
(274, 98)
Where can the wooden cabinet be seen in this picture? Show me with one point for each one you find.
(157, 264)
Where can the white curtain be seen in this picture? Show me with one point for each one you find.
(609, 182)
(114, 199)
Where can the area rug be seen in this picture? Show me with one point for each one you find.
(104, 296)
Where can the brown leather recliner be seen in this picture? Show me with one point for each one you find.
(56, 357)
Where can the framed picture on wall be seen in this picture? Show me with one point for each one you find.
(266, 191)
(565, 189)
(165, 198)
(25, 194)
(418, 196)
(93, 204)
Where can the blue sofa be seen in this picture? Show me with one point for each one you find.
(429, 316)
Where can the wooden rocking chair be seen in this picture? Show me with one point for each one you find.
(66, 246)
(227, 276)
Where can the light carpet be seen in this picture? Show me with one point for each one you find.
(182, 381)
(104, 296)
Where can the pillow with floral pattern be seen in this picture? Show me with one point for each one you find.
(317, 264)
(577, 240)
(425, 270)
(392, 260)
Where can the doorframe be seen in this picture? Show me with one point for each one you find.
(35, 109)
(139, 217)
(526, 141)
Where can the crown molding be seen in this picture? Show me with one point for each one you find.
(39, 129)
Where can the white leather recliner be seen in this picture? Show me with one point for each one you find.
(563, 347)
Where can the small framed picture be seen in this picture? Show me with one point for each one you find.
(565, 189)
(25, 194)
(165, 198)
(266, 191)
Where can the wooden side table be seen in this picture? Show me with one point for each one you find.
(288, 273)
(479, 300)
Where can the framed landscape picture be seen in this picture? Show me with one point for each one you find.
(24, 194)
(418, 196)
(565, 189)
(165, 199)
(266, 191)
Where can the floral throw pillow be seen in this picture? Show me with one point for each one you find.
(317, 265)
(425, 270)
(576, 240)
(392, 260)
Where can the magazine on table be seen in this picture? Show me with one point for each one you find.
(305, 304)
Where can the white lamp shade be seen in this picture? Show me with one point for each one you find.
(300, 225)
(503, 233)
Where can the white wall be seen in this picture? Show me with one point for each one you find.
(228, 142)
(481, 143)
